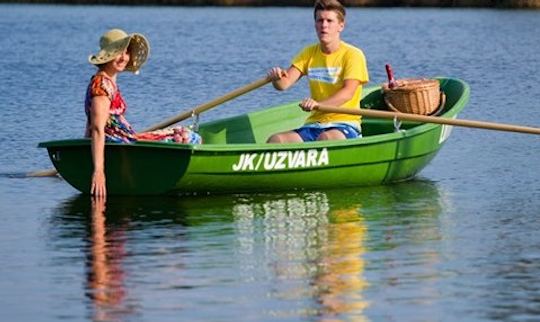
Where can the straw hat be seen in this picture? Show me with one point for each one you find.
(114, 42)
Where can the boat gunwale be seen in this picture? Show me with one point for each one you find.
(451, 112)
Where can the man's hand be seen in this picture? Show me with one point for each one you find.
(308, 104)
(276, 73)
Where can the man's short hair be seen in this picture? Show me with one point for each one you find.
(330, 5)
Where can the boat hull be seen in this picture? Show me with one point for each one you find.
(235, 158)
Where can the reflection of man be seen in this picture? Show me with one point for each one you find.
(340, 282)
(304, 234)
(105, 278)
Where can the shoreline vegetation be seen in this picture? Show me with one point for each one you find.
(510, 4)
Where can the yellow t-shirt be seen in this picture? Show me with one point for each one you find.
(327, 73)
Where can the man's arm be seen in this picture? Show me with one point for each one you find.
(345, 94)
(283, 79)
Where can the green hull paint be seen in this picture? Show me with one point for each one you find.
(235, 158)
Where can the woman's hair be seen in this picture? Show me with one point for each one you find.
(330, 5)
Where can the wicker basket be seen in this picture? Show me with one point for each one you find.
(416, 96)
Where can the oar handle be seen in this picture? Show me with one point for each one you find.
(206, 106)
(43, 173)
(430, 119)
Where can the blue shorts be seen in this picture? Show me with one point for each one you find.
(310, 132)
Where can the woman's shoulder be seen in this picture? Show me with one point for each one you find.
(102, 85)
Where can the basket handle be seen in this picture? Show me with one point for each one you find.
(439, 109)
(442, 101)
(390, 106)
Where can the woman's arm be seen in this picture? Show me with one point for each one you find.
(98, 116)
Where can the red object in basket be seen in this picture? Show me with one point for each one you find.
(390, 74)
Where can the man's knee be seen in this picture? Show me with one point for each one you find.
(286, 137)
(331, 135)
(276, 138)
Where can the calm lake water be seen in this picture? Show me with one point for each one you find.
(459, 242)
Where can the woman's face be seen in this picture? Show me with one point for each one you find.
(120, 62)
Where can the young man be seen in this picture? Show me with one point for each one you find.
(336, 71)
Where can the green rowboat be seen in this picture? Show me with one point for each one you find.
(235, 158)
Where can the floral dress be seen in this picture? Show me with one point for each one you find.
(117, 128)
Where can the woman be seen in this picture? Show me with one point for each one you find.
(105, 107)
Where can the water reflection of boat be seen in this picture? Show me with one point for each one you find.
(115, 231)
(309, 246)
(324, 236)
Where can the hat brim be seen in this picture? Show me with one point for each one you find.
(139, 50)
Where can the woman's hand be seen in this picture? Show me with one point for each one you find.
(98, 187)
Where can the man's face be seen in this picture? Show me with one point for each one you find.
(328, 26)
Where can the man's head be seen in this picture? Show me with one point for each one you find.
(330, 5)
(329, 21)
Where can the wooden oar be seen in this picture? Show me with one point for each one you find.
(43, 173)
(206, 106)
(430, 119)
(185, 115)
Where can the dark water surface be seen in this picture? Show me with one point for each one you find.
(459, 242)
